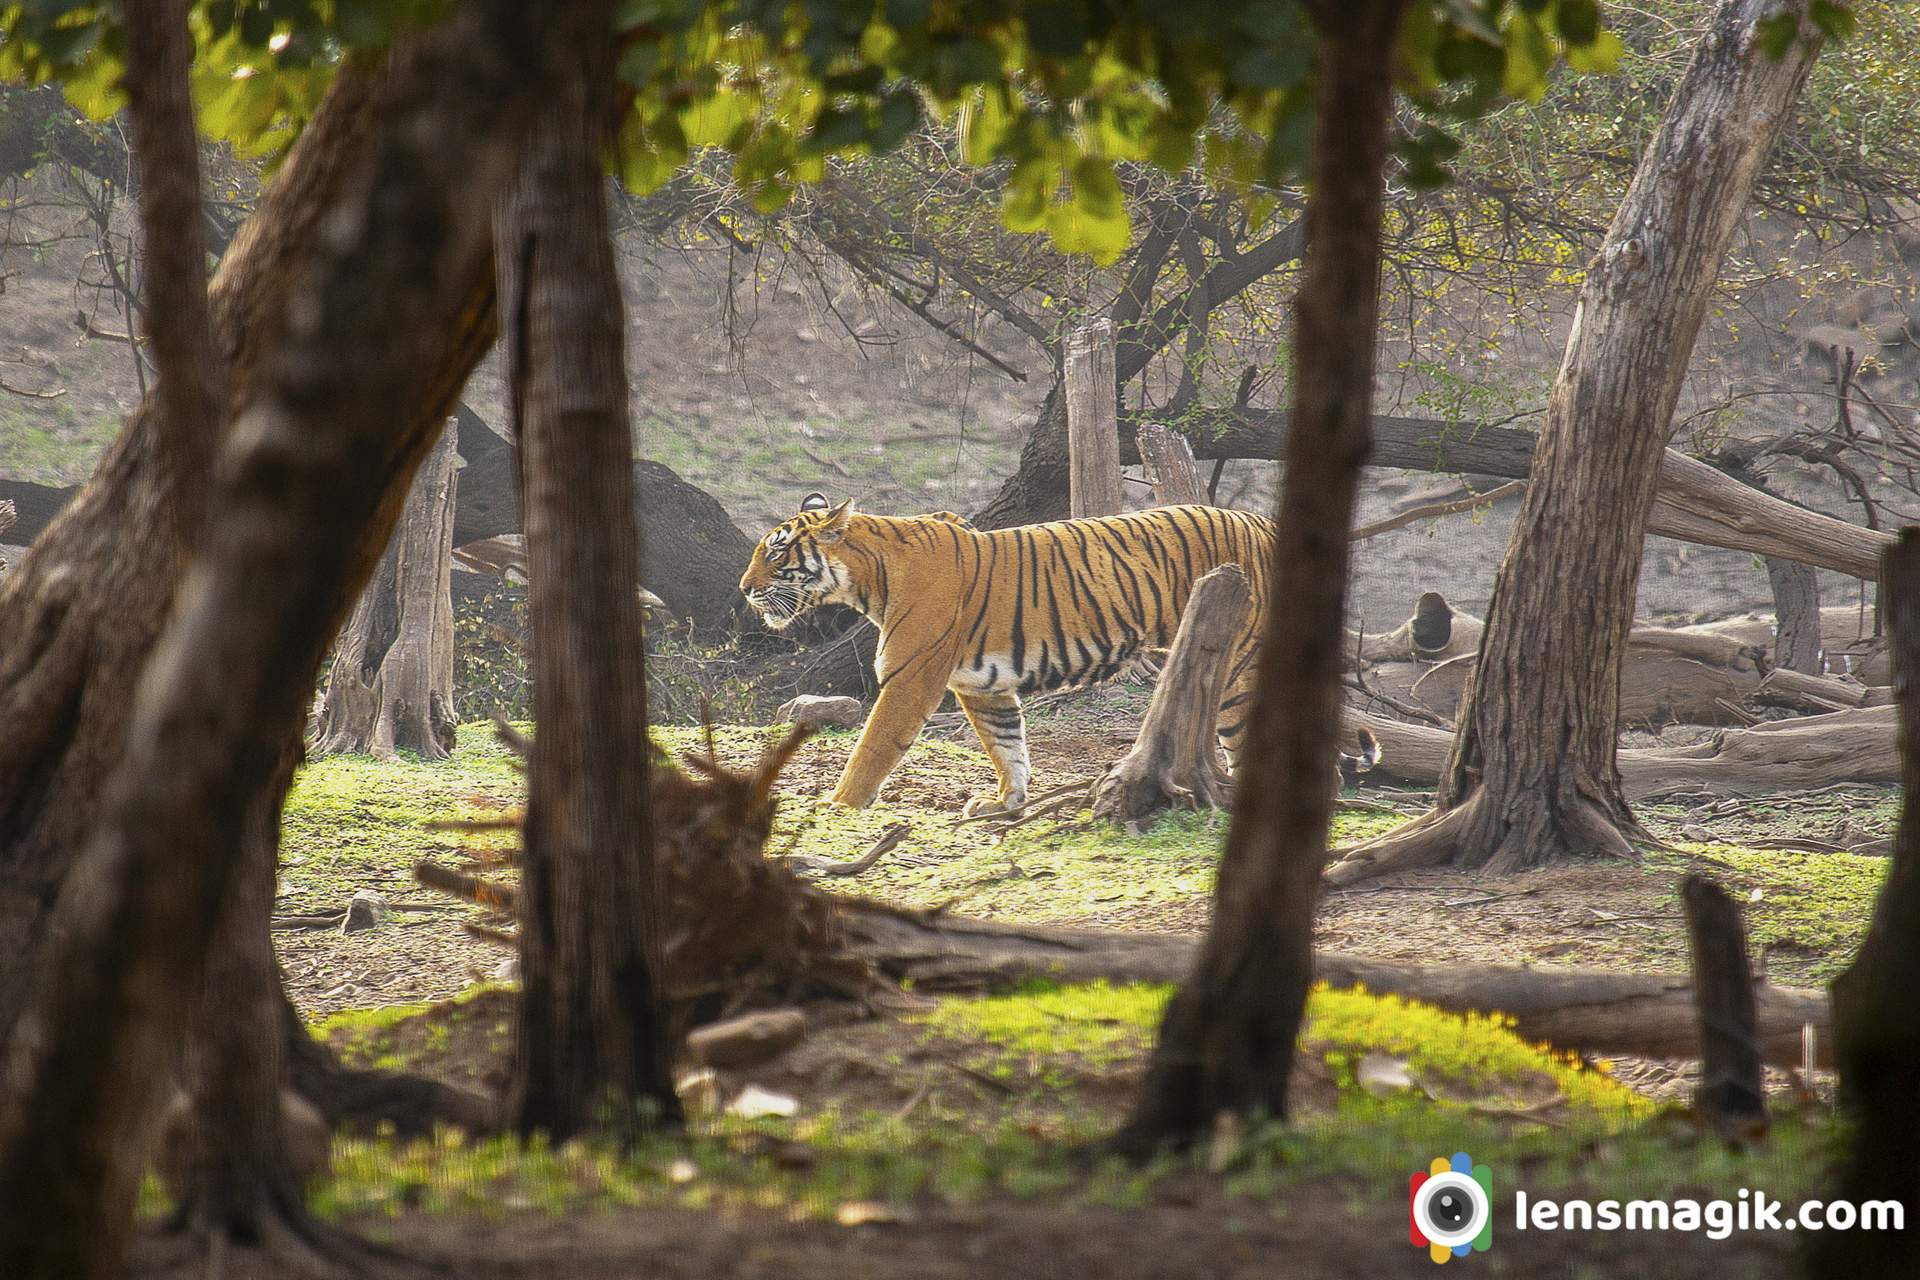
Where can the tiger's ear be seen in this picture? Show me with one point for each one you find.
(834, 527)
(814, 502)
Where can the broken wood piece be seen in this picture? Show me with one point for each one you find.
(1730, 1096)
(1170, 466)
(1175, 760)
(748, 1040)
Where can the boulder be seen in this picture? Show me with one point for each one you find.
(823, 713)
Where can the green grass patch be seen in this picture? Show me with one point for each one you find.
(1816, 904)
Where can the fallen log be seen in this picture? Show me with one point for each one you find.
(1585, 1011)
(1784, 755)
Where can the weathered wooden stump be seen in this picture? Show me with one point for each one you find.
(1175, 760)
(1729, 1097)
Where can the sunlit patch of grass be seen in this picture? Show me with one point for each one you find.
(1602, 1139)
(357, 822)
(1814, 904)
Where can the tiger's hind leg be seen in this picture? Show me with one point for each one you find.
(1236, 706)
(997, 719)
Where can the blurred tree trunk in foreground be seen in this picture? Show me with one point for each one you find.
(591, 1048)
(1875, 1034)
(391, 683)
(1226, 1044)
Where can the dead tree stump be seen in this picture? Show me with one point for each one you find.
(1175, 761)
(1729, 1097)
(391, 686)
(1170, 466)
(1093, 423)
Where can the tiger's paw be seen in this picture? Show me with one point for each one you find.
(992, 802)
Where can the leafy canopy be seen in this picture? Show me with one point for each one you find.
(1059, 91)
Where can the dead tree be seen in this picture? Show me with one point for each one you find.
(315, 476)
(391, 684)
(1729, 1096)
(591, 1044)
(1226, 1043)
(1175, 760)
(1170, 467)
(1533, 776)
(1093, 423)
(1796, 612)
(1877, 1037)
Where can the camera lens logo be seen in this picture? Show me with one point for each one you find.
(1450, 1208)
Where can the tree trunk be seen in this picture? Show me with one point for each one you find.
(592, 1049)
(1170, 468)
(1876, 1035)
(1226, 1044)
(1175, 760)
(1093, 423)
(1533, 776)
(391, 685)
(237, 1161)
(316, 472)
(1796, 613)
(1729, 1095)
(81, 611)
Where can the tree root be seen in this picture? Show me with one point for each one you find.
(1431, 840)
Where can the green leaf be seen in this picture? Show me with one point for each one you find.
(1577, 21)
(1837, 21)
(1777, 34)
(1601, 57)
(1529, 59)
(1023, 205)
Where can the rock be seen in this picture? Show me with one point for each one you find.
(366, 910)
(755, 1103)
(1823, 344)
(823, 713)
(748, 1040)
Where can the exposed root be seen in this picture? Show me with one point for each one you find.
(1428, 841)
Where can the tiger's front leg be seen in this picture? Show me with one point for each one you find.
(1003, 732)
(893, 724)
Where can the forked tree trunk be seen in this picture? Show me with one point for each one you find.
(80, 613)
(1533, 777)
(1226, 1044)
(315, 478)
(1875, 1032)
(391, 684)
(1175, 760)
(591, 1048)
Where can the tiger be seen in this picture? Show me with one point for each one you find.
(996, 616)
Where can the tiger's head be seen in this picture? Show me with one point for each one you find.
(797, 567)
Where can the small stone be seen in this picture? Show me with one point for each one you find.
(748, 1040)
(823, 713)
(366, 910)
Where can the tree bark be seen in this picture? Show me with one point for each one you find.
(1175, 760)
(1093, 423)
(1729, 1096)
(1226, 1043)
(314, 476)
(1796, 613)
(1876, 1035)
(592, 1048)
(1170, 469)
(391, 683)
(1533, 776)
